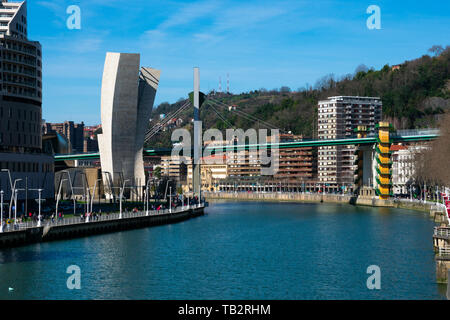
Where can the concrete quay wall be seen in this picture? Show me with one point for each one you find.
(273, 196)
(56, 232)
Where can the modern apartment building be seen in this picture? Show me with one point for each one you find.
(21, 106)
(295, 164)
(174, 167)
(338, 117)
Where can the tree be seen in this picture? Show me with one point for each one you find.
(433, 166)
(436, 50)
(285, 89)
(157, 172)
(361, 68)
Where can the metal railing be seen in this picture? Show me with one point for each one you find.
(437, 207)
(444, 251)
(103, 217)
(442, 232)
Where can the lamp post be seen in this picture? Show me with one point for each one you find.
(1, 209)
(93, 193)
(71, 189)
(13, 197)
(39, 213)
(15, 207)
(40, 201)
(85, 191)
(170, 199)
(147, 196)
(57, 197)
(121, 196)
(182, 199)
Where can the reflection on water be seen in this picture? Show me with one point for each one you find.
(244, 250)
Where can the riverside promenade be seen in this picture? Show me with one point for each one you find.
(66, 228)
(320, 198)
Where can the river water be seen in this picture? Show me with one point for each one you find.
(239, 250)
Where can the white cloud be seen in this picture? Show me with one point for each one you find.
(189, 13)
(56, 8)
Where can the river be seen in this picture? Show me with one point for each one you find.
(239, 250)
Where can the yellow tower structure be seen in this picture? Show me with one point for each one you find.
(383, 158)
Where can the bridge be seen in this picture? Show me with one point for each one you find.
(401, 136)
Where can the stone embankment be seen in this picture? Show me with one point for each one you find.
(69, 228)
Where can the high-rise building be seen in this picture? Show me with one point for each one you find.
(21, 105)
(338, 117)
(20, 81)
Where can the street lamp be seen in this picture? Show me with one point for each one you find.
(39, 215)
(146, 198)
(86, 191)
(58, 196)
(15, 207)
(40, 201)
(121, 196)
(13, 197)
(93, 193)
(170, 199)
(71, 188)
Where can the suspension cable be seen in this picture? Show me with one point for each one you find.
(244, 115)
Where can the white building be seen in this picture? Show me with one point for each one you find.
(403, 169)
(127, 97)
(338, 117)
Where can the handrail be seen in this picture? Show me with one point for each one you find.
(442, 232)
(444, 251)
(104, 217)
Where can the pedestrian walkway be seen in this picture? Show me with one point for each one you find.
(98, 217)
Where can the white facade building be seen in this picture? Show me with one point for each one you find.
(403, 169)
(127, 97)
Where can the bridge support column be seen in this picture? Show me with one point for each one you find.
(196, 179)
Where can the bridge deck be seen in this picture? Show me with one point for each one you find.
(412, 137)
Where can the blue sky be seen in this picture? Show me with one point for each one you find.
(259, 43)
